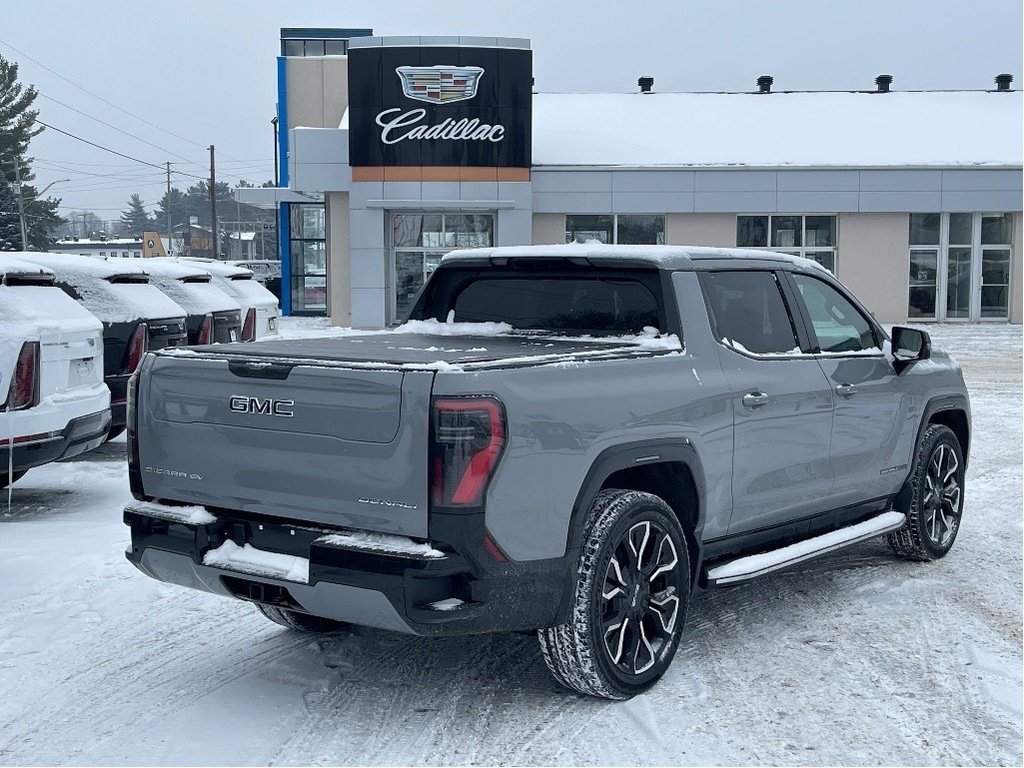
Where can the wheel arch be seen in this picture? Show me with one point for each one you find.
(952, 411)
(668, 468)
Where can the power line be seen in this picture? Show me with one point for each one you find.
(119, 130)
(108, 103)
(115, 152)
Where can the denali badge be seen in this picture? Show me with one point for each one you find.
(268, 407)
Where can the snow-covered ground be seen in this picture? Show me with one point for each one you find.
(856, 659)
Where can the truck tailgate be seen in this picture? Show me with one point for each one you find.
(324, 444)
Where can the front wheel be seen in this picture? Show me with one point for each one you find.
(933, 519)
(630, 601)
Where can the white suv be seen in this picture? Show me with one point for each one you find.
(53, 402)
(260, 310)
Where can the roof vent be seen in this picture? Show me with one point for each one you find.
(646, 83)
(883, 82)
(1003, 82)
(764, 83)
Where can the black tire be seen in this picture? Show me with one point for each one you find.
(301, 621)
(5, 480)
(606, 647)
(114, 432)
(933, 519)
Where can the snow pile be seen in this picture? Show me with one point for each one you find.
(386, 543)
(258, 562)
(434, 328)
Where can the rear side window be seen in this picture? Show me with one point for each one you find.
(750, 313)
(839, 326)
(577, 305)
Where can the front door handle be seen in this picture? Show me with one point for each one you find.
(846, 390)
(755, 399)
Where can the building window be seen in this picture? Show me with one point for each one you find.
(309, 257)
(314, 47)
(813, 237)
(959, 266)
(418, 240)
(623, 229)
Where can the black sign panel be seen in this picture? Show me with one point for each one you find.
(440, 105)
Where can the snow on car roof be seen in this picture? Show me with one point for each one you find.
(664, 256)
(222, 268)
(171, 267)
(805, 129)
(12, 266)
(97, 267)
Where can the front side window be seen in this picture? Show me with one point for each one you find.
(839, 326)
(750, 313)
(622, 229)
(813, 237)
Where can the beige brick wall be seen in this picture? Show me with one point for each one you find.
(339, 289)
(548, 228)
(701, 229)
(317, 91)
(873, 260)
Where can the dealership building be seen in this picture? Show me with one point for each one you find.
(394, 150)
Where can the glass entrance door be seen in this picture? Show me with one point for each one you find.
(958, 284)
(923, 283)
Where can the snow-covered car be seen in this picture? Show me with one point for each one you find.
(263, 269)
(136, 316)
(53, 402)
(211, 316)
(260, 310)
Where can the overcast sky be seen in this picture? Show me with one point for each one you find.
(205, 70)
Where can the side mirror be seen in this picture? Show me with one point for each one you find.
(909, 345)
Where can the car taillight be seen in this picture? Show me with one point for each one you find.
(132, 418)
(24, 390)
(468, 439)
(137, 347)
(205, 331)
(249, 328)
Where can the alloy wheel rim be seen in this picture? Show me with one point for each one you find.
(640, 598)
(941, 501)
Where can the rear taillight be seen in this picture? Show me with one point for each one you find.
(24, 389)
(132, 417)
(205, 331)
(468, 438)
(137, 348)
(249, 327)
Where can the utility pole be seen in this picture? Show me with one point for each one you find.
(21, 204)
(213, 200)
(170, 235)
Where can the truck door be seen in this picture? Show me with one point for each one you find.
(872, 431)
(782, 403)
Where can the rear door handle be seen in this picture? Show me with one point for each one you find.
(846, 390)
(755, 399)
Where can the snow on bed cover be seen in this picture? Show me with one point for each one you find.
(258, 562)
(388, 543)
(194, 515)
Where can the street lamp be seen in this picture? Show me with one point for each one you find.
(21, 207)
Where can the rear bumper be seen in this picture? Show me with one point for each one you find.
(453, 594)
(80, 435)
(118, 386)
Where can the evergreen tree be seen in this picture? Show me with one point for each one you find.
(17, 127)
(175, 204)
(10, 232)
(135, 220)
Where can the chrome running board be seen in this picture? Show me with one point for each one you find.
(752, 566)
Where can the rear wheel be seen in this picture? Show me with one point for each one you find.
(630, 602)
(297, 620)
(933, 519)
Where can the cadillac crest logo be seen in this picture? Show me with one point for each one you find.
(441, 84)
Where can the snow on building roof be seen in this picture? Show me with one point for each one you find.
(799, 129)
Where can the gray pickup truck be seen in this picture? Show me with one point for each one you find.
(567, 439)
